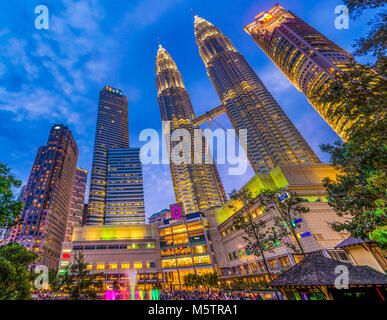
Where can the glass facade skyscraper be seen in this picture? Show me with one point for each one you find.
(124, 187)
(272, 138)
(112, 132)
(304, 55)
(197, 186)
(42, 225)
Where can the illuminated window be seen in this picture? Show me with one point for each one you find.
(179, 229)
(100, 266)
(89, 267)
(137, 265)
(184, 262)
(202, 260)
(165, 231)
(125, 265)
(170, 263)
(113, 266)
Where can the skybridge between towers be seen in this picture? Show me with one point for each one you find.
(209, 115)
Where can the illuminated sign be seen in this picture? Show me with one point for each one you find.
(302, 235)
(283, 196)
(176, 212)
(66, 256)
(266, 17)
(294, 222)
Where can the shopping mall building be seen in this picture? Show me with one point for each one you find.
(167, 249)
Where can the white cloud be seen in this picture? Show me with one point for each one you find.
(70, 52)
(274, 79)
(83, 14)
(15, 51)
(147, 12)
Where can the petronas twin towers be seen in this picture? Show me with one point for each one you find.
(272, 138)
(198, 186)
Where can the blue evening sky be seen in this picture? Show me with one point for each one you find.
(54, 76)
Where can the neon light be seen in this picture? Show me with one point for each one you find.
(110, 295)
(283, 196)
(66, 256)
(294, 222)
(266, 17)
(176, 212)
(302, 235)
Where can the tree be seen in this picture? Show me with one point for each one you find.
(289, 209)
(359, 192)
(192, 280)
(16, 280)
(210, 280)
(258, 235)
(10, 209)
(78, 282)
(375, 41)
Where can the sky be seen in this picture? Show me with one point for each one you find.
(54, 76)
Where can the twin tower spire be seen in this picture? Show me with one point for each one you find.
(272, 139)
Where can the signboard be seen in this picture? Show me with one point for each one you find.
(266, 17)
(283, 196)
(177, 210)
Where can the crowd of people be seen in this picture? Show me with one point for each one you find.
(208, 295)
(177, 295)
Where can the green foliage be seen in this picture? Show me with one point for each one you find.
(375, 41)
(207, 280)
(16, 281)
(360, 191)
(240, 285)
(288, 210)
(10, 209)
(157, 285)
(78, 282)
(258, 235)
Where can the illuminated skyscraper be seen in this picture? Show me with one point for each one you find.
(77, 202)
(304, 55)
(112, 132)
(198, 186)
(124, 188)
(271, 137)
(42, 225)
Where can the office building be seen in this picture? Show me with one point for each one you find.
(272, 138)
(47, 197)
(307, 58)
(124, 187)
(112, 132)
(77, 202)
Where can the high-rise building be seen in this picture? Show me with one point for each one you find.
(304, 55)
(197, 186)
(124, 187)
(272, 138)
(84, 214)
(112, 132)
(47, 197)
(77, 202)
(21, 193)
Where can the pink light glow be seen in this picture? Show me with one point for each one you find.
(110, 295)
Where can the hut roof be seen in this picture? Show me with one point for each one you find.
(317, 270)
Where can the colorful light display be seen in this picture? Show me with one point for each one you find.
(176, 212)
